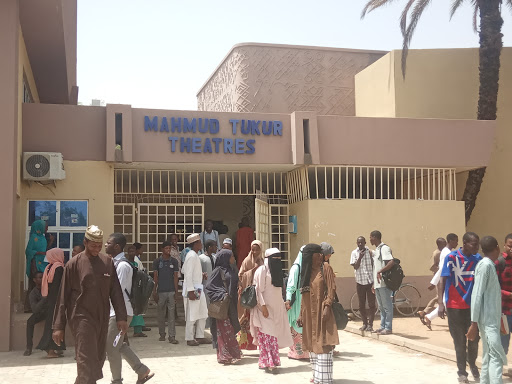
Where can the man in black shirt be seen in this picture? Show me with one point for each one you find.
(39, 308)
(166, 291)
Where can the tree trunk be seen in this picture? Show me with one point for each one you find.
(489, 71)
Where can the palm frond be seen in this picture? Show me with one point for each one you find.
(403, 17)
(455, 5)
(475, 15)
(372, 5)
(417, 11)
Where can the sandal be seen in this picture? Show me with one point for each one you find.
(146, 378)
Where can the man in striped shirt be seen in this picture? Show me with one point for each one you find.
(362, 261)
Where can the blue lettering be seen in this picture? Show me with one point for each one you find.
(203, 128)
(150, 125)
(233, 124)
(278, 128)
(266, 128)
(189, 126)
(217, 142)
(254, 127)
(250, 145)
(245, 129)
(164, 126)
(214, 126)
(173, 141)
(196, 145)
(176, 125)
(239, 146)
(207, 146)
(185, 144)
(228, 145)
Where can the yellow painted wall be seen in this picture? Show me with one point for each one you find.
(85, 180)
(409, 227)
(375, 89)
(444, 83)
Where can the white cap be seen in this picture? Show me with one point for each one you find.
(271, 251)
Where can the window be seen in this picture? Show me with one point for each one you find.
(66, 219)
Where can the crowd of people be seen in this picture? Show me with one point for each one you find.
(91, 294)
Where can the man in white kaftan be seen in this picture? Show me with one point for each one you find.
(486, 312)
(196, 310)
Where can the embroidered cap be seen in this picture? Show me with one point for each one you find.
(94, 234)
(193, 238)
(227, 240)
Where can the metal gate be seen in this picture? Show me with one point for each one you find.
(124, 221)
(262, 214)
(157, 222)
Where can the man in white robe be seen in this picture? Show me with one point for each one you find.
(196, 310)
(486, 313)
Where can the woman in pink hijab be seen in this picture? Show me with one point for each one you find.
(52, 277)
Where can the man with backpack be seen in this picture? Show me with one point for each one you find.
(504, 267)
(383, 261)
(116, 348)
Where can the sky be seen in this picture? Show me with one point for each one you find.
(158, 53)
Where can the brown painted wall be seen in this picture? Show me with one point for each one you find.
(79, 133)
(9, 35)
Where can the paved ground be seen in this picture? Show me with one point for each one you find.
(362, 361)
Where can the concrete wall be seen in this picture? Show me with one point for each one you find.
(85, 180)
(375, 89)
(410, 228)
(285, 78)
(444, 84)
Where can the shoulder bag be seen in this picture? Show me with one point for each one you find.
(219, 309)
(340, 316)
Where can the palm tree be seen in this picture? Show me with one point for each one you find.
(489, 68)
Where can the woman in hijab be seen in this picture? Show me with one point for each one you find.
(269, 322)
(292, 303)
(224, 281)
(245, 277)
(319, 332)
(52, 277)
(36, 248)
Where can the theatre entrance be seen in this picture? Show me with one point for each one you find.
(146, 212)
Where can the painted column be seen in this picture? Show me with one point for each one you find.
(9, 25)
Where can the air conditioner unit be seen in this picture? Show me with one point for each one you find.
(40, 166)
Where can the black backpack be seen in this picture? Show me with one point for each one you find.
(393, 278)
(500, 267)
(142, 288)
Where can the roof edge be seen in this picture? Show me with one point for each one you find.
(251, 44)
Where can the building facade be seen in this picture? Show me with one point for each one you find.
(276, 138)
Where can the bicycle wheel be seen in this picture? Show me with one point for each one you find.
(354, 305)
(407, 300)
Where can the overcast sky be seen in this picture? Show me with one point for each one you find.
(158, 53)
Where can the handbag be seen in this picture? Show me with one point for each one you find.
(219, 309)
(248, 297)
(340, 316)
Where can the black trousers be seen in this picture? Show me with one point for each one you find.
(459, 321)
(31, 322)
(364, 292)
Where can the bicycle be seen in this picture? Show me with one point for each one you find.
(406, 301)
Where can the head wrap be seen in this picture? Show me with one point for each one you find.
(307, 264)
(327, 248)
(36, 243)
(94, 234)
(214, 287)
(55, 257)
(273, 262)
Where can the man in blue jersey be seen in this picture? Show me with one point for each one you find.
(457, 280)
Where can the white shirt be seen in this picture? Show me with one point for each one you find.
(140, 266)
(379, 263)
(124, 275)
(445, 252)
(192, 280)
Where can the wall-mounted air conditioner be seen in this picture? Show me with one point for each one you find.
(41, 166)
